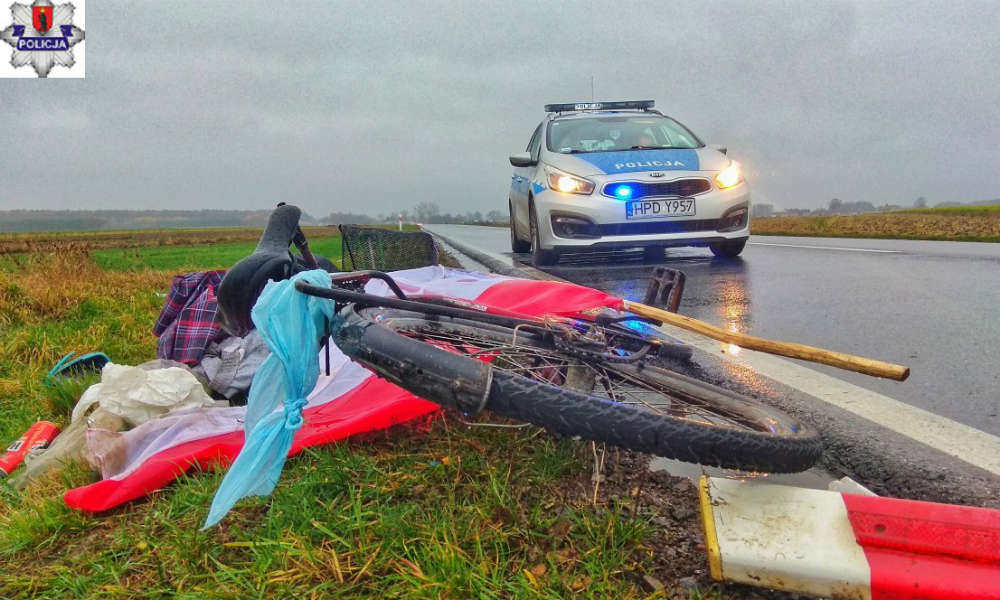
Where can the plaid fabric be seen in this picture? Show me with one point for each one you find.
(187, 322)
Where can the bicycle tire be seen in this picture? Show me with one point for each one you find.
(375, 337)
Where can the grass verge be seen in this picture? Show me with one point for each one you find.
(432, 510)
(965, 209)
(200, 257)
(964, 224)
(436, 509)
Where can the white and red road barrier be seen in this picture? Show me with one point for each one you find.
(848, 546)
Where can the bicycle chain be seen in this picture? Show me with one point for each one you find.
(568, 347)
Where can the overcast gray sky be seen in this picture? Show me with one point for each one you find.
(375, 106)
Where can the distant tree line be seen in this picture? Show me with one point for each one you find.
(423, 212)
(430, 212)
(85, 220)
(338, 218)
(836, 206)
(90, 220)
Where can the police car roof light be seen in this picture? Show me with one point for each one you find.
(575, 106)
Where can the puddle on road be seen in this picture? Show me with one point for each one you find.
(816, 478)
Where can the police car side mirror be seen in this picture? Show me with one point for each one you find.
(522, 159)
(721, 149)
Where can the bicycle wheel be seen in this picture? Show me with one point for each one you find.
(525, 373)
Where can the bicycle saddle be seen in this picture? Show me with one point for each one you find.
(271, 259)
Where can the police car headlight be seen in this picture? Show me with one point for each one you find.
(729, 176)
(568, 184)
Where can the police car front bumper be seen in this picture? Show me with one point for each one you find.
(570, 221)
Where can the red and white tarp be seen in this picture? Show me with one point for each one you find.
(838, 545)
(350, 400)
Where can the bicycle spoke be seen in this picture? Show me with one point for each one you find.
(551, 366)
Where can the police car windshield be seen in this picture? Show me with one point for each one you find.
(614, 133)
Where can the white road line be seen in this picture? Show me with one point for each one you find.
(828, 248)
(965, 443)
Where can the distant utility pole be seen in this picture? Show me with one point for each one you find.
(592, 88)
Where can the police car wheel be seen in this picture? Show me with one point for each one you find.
(517, 245)
(539, 256)
(729, 248)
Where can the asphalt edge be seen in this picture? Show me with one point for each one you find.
(491, 262)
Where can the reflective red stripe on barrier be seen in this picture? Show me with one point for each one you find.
(926, 550)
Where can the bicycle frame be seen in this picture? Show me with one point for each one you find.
(437, 307)
(420, 306)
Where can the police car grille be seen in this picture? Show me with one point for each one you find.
(642, 228)
(680, 187)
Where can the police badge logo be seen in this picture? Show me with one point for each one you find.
(43, 36)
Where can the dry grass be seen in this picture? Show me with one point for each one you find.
(967, 209)
(57, 302)
(56, 283)
(77, 241)
(982, 226)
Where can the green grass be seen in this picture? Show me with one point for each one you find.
(411, 513)
(204, 257)
(432, 510)
(32, 342)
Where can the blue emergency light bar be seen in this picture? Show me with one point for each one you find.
(575, 106)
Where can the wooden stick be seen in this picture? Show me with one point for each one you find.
(849, 362)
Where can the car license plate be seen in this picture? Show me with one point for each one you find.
(648, 209)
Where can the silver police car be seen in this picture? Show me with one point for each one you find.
(611, 175)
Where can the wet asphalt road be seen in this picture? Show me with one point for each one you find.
(933, 306)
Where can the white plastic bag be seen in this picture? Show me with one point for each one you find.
(137, 395)
(68, 447)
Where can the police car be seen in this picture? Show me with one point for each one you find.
(612, 175)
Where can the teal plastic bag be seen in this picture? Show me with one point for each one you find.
(291, 324)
